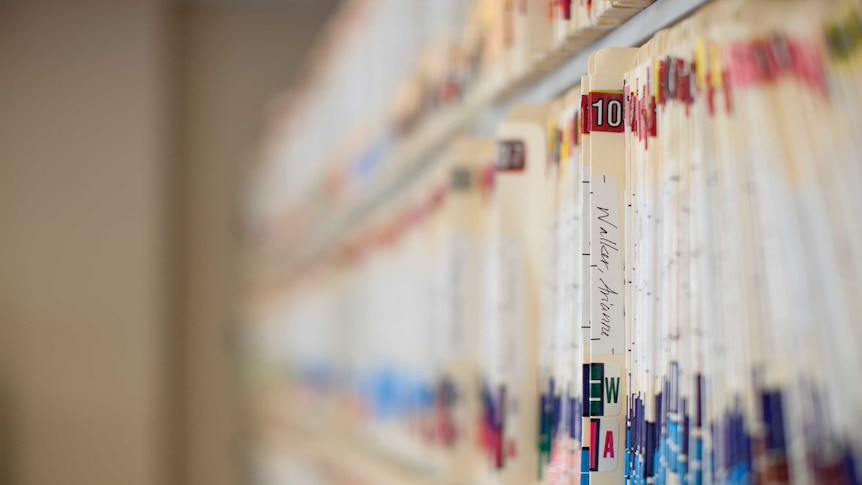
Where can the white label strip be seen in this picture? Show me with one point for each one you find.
(607, 332)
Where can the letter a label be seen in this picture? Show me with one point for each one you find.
(605, 444)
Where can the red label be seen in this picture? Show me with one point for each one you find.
(756, 62)
(662, 76)
(606, 111)
(683, 81)
(511, 156)
(808, 64)
(575, 130)
(642, 120)
(566, 6)
(585, 109)
(653, 121)
(629, 108)
(487, 177)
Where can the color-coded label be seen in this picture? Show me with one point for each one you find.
(605, 380)
(511, 156)
(605, 442)
(605, 111)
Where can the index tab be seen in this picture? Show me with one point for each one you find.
(606, 111)
(511, 156)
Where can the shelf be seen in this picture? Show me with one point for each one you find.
(633, 33)
(479, 115)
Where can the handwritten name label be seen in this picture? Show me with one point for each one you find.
(607, 328)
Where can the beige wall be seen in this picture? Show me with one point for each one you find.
(235, 60)
(125, 127)
(84, 242)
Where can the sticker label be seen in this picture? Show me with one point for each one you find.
(583, 115)
(606, 111)
(604, 444)
(607, 328)
(511, 156)
(605, 381)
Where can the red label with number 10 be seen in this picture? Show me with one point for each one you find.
(606, 111)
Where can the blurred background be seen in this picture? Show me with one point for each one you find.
(127, 129)
(304, 242)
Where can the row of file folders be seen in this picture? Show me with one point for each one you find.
(654, 279)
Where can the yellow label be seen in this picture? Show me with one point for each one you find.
(700, 62)
(843, 36)
(717, 77)
(552, 138)
(566, 145)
